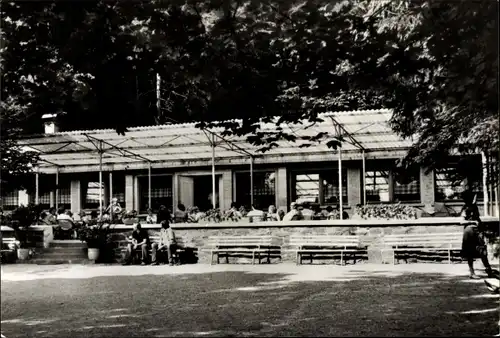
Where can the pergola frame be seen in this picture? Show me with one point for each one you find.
(215, 140)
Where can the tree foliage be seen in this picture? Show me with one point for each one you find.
(433, 62)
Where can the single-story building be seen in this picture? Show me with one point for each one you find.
(180, 163)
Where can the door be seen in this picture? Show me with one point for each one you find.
(186, 191)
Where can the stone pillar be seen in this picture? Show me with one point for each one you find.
(281, 189)
(129, 192)
(175, 192)
(427, 187)
(226, 190)
(105, 197)
(52, 198)
(136, 193)
(76, 196)
(354, 190)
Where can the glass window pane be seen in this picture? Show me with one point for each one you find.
(161, 192)
(264, 189)
(377, 186)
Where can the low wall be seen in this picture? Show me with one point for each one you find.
(39, 236)
(370, 231)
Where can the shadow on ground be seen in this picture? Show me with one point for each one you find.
(249, 304)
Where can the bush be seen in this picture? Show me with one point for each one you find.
(213, 215)
(96, 237)
(20, 220)
(386, 211)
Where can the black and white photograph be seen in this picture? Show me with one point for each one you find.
(249, 168)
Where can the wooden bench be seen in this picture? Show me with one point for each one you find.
(322, 244)
(181, 246)
(7, 254)
(256, 245)
(450, 241)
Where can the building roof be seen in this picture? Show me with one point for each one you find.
(185, 144)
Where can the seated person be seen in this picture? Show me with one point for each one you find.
(84, 218)
(307, 212)
(45, 218)
(331, 214)
(272, 214)
(294, 214)
(281, 214)
(255, 215)
(139, 240)
(150, 218)
(163, 214)
(166, 245)
(64, 215)
(52, 216)
(180, 215)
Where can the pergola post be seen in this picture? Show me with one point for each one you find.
(251, 182)
(364, 177)
(100, 181)
(37, 188)
(213, 171)
(111, 192)
(149, 185)
(57, 188)
(341, 207)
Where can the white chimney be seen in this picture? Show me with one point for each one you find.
(50, 123)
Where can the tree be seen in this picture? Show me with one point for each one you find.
(222, 59)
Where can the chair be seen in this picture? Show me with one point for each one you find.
(65, 227)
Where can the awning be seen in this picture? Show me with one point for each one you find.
(171, 145)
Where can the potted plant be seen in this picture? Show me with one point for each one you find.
(21, 220)
(96, 239)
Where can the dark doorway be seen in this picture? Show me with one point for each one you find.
(203, 192)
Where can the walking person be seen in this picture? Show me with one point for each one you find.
(473, 244)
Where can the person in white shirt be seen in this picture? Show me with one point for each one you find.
(293, 214)
(167, 243)
(64, 215)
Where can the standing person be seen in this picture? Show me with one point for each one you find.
(473, 245)
(140, 239)
(167, 243)
(114, 209)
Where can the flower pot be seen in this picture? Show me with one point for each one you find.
(23, 254)
(93, 254)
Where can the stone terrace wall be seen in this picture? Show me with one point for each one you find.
(371, 232)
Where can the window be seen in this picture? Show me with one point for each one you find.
(407, 192)
(319, 187)
(64, 194)
(10, 200)
(119, 188)
(264, 189)
(331, 187)
(92, 193)
(307, 188)
(448, 188)
(43, 200)
(161, 192)
(377, 186)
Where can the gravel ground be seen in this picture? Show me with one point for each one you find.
(242, 300)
